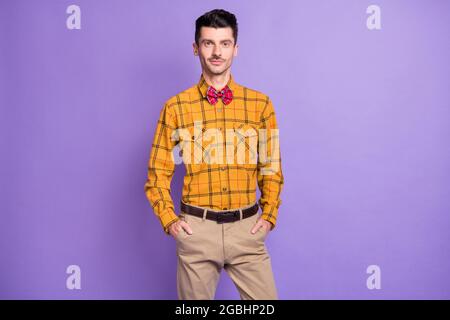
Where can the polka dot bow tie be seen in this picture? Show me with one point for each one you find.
(213, 95)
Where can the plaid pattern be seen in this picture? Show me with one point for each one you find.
(218, 186)
(213, 95)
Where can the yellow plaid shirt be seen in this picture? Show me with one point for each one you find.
(225, 184)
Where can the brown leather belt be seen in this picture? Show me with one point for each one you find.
(220, 216)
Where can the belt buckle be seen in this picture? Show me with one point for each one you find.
(221, 216)
(220, 219)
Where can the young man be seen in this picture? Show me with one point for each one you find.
(217, 123)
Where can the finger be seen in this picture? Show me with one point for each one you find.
(189, 230)
(256, 228)
(186, 227)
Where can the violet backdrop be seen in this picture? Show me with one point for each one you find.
(364, 124)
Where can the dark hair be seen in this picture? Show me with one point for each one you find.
(217, 18)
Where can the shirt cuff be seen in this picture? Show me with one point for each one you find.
(270, 214)
(167, 218)
(271, 219)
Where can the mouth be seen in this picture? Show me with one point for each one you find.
(216, 62)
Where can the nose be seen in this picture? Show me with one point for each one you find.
(217, 51)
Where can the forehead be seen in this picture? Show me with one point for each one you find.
(218, 34)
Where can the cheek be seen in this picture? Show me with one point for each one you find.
(206, 52)
(230, 55)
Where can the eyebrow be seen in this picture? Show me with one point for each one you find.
(203, 40)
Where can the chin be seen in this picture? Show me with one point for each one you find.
(217, 71)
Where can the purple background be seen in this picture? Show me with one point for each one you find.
(364, 123)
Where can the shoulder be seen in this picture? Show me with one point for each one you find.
(186, 96)
(250, 93)
(258, 100)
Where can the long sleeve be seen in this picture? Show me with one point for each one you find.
(161, 168)
(270, 175)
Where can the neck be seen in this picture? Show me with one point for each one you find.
(218, 81)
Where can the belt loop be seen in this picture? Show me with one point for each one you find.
(240, 213)
(204, 214)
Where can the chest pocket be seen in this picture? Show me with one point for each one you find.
(190, 146)
(247, 142)
(204, 147)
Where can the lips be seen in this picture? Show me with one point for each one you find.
(216, 62)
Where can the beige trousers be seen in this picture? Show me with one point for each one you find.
(213, 246)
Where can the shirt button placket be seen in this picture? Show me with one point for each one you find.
(219, 105)
(222, 171)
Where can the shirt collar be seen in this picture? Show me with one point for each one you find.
(203, 85)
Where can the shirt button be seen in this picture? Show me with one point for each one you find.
(224, 189)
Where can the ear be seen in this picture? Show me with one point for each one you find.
(235, 53)
(195, 48)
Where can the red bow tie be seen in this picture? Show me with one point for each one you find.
(213, 95)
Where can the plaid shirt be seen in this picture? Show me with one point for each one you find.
(220, 185)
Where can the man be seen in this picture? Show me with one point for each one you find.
(216, 124)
